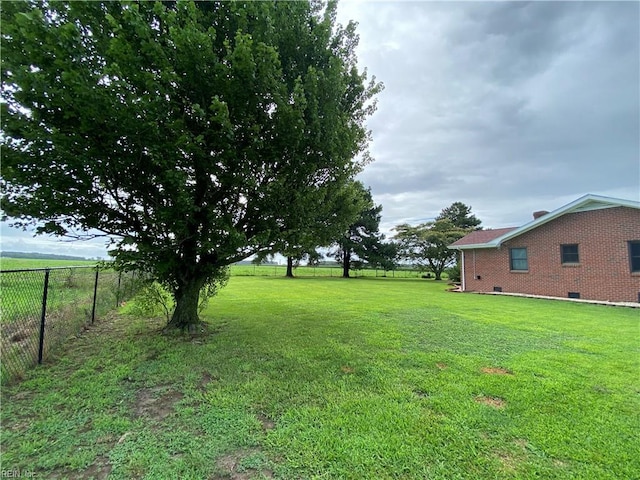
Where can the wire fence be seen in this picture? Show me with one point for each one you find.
(266, 270)
(41, 308)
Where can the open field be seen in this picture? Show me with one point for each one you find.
(7, 263)
(371, 378)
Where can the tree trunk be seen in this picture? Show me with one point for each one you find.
(289, 267)
(438, 273)
(185, 316)
(346, 263)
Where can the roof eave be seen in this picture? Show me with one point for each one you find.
(605, 202)
(473, 246)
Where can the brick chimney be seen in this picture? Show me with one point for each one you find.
(539, 214)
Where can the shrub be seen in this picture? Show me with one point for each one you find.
(453, 273)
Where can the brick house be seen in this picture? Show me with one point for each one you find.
(589, 249)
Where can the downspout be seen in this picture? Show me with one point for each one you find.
(462, 270)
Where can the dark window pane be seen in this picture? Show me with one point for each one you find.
(569, 253)
(634, 255)
(518, 259)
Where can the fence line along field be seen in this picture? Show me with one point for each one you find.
(266, 270)
(42, 307)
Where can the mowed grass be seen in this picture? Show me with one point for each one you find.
(370, 378)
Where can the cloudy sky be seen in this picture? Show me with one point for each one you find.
(509, 107)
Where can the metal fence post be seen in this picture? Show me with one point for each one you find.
(45, 293)
(118, 290)
(95, 295)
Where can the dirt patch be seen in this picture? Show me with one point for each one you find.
(559, 463)
(267, 423)
(233, 466)
(495, 402)
(206, 379)
(508, 461)
(442, 366)
(496, 371)
(99, 470)
(346, 369)
(521, 442)
(156, 403)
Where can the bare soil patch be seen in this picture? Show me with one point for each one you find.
(497, 371)
(156, 403)
(508, 461)
(267, 423)
(494, 402)
(206, 379)
(442, 366)
(99, 470)
(231, 466)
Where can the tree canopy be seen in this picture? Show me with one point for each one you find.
(361, 243)
(193, 133)
(460, 215)
(321, 225)
(427, 245)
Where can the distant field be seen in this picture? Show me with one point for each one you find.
(328, 378)
(236, 270)
(7, 263)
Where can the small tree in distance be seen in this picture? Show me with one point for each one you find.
(427, 245)
(361, 243)
(319, 226)
(460, 216)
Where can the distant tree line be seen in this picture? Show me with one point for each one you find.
(41, 256)
(361, 245)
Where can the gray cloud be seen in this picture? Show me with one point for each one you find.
(509, 107)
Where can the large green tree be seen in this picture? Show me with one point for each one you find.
(193, 133)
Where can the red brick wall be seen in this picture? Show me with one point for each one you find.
(603, 272)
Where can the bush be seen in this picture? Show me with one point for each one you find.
(453, 273)
(151, 301)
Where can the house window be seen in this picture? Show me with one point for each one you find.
(569, 253)
(634, 256)
(518, 259)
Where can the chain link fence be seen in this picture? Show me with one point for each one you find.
(41, 308)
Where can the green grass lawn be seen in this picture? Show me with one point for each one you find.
(368, 378)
